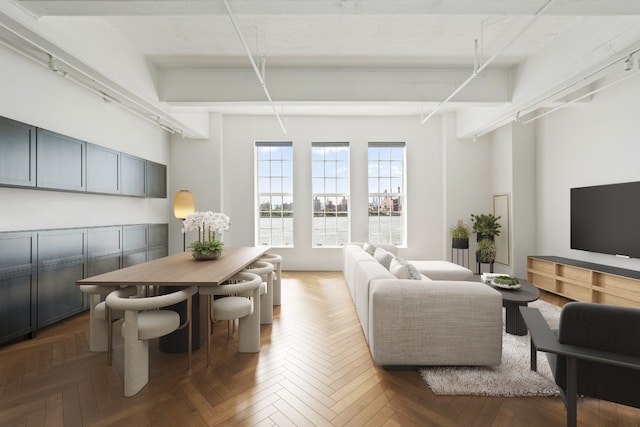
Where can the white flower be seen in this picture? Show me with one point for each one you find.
(206, 222)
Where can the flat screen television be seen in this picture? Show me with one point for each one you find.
(606, 219)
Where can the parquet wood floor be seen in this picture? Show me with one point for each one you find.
(314, 368)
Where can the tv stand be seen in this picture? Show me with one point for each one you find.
(585, 281)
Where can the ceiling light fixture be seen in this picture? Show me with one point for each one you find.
(615, 82)
(477, 70)
(565, 90)
(259, 74)
(27, 43)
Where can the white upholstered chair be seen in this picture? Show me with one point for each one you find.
(276, 261)
(144, 321)
(265, 271)
(101, 318)
(232, 307)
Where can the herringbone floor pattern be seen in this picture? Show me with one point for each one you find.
(314, 368)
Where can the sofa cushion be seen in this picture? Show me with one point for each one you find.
(442, 270)
(383, 257)
(369, 248)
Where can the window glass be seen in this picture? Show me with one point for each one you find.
(386, 193)
(330, 193)
(274, 194)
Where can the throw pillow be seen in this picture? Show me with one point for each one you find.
(370, 249)
(383, 257)
(414, 274)
(399, 269)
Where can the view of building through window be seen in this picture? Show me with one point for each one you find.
(386, 192)
(274, 188)
(330, 193)
(330, 190)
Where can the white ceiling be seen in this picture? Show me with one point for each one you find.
(568, 41)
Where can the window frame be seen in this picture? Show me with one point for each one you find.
(331, 177)
(385, 199)
(279, 235)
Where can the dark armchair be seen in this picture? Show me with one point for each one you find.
(595, 352)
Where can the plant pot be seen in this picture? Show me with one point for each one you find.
(202, 257)
(483, 261)
(460, 243)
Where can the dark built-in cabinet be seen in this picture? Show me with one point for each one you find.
(60, 162)
(135, 242)
(18, 285)
(61, 262)
(103, 170)
(38, 158)
(133, 175)
(158, 238)
(156, 180)
(17, 153)
(39, 270)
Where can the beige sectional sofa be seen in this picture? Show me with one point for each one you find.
(409, 322)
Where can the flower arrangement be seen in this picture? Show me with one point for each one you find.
(208, 224)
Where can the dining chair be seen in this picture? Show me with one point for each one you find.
(144, 320)
(231, 307)
(101, 318)
(276, 261)
(265, 271)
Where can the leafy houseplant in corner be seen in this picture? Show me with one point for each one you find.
(486, 226)
(486, 251)
(207, 224)
(460, 235)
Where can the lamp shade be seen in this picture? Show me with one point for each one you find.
(183, 204)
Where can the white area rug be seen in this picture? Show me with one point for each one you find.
(513, 377)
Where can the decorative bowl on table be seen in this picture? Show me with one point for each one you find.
(505, 282)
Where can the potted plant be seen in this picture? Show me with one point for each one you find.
(486, 251)
(485, 226)
(460, 235)
(208, 224)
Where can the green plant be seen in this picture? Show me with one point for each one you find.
(506, 280)
(207, 247)
(486, 250)
(460, 230)
(486, 225)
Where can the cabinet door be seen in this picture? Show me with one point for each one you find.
(17, 153)
(133, 176)
(60, 162)
(61, 262)
(135, 243)
(17, 285)
(158, 241)
(156, 180)
(103, 170)
(104, 249)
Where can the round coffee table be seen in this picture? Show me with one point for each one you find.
(512, 300)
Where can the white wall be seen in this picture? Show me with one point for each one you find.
(523, 198)
(589, 144)
(467, 184)
(34, 95)
(236, 184)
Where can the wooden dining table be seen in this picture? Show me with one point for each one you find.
(183, 270)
